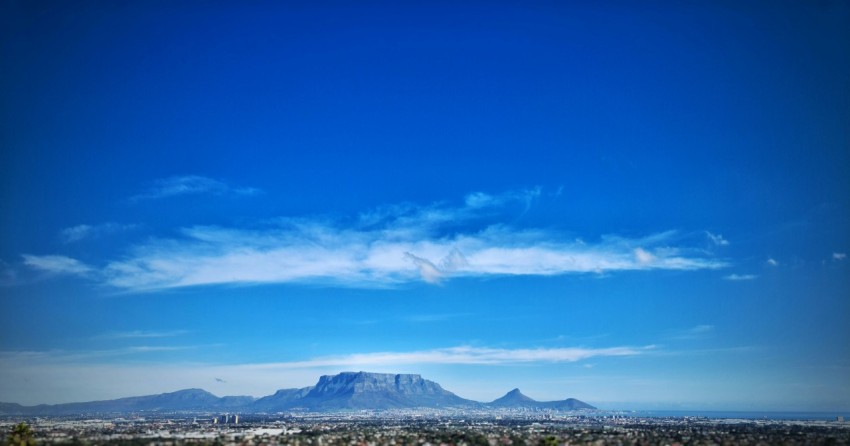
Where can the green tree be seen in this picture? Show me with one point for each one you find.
(549, 441)
(21, 435)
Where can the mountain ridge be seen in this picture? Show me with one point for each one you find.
(343, 391)
(516, 399)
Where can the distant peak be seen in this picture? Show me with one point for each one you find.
(190, 393)
(514, 397)
(516, 393)
(192, 390)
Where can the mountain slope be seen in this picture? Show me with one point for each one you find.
(189, 399)
(280, 400)
(567, 404)
(516, 400)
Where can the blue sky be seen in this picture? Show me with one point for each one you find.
(640, 206)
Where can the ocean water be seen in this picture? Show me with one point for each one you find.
(748, 415)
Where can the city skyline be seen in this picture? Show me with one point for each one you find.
(638, 206)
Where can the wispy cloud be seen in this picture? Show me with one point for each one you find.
(839, 256)
(389, 246)
(526, 197)
(8, 274)
(696, 332)
(56, 264)
(425, 318)
(740, 277)
(451, 355)
(71, 356)
(772, 262)
(144, 334)
(429, 272)
(191, 185)
(643, 257)
(717, 239)
(147, 349)
(81, 232)
(464, 355)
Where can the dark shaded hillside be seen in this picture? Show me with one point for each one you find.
(189, 399)
(515, 399)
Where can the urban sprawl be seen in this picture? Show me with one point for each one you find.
(426, 428)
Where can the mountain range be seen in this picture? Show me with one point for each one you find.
(344, 391)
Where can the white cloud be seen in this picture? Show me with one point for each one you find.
(390, 246)
(696, 332)
(89, 356)
(451, 355)
(701, 329)
(81, 232)
(190, 185)
(839, 256)
(420, 318)
(370, 258)
(76, 233)
(144, 334)
(717, 239)
(643, 257)
(740, 277)
(454, 261)
(772, 262)
(464, 355)
(477, 200)
(8, 275)
(427, 270)
(57, 264)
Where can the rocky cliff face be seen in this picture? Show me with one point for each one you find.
(378, 391)
(363, 382)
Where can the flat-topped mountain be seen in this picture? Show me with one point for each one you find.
(344, 391)
(516, 400)
(363, 390)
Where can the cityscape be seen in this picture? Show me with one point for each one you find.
(360, 408)
(432, 427)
